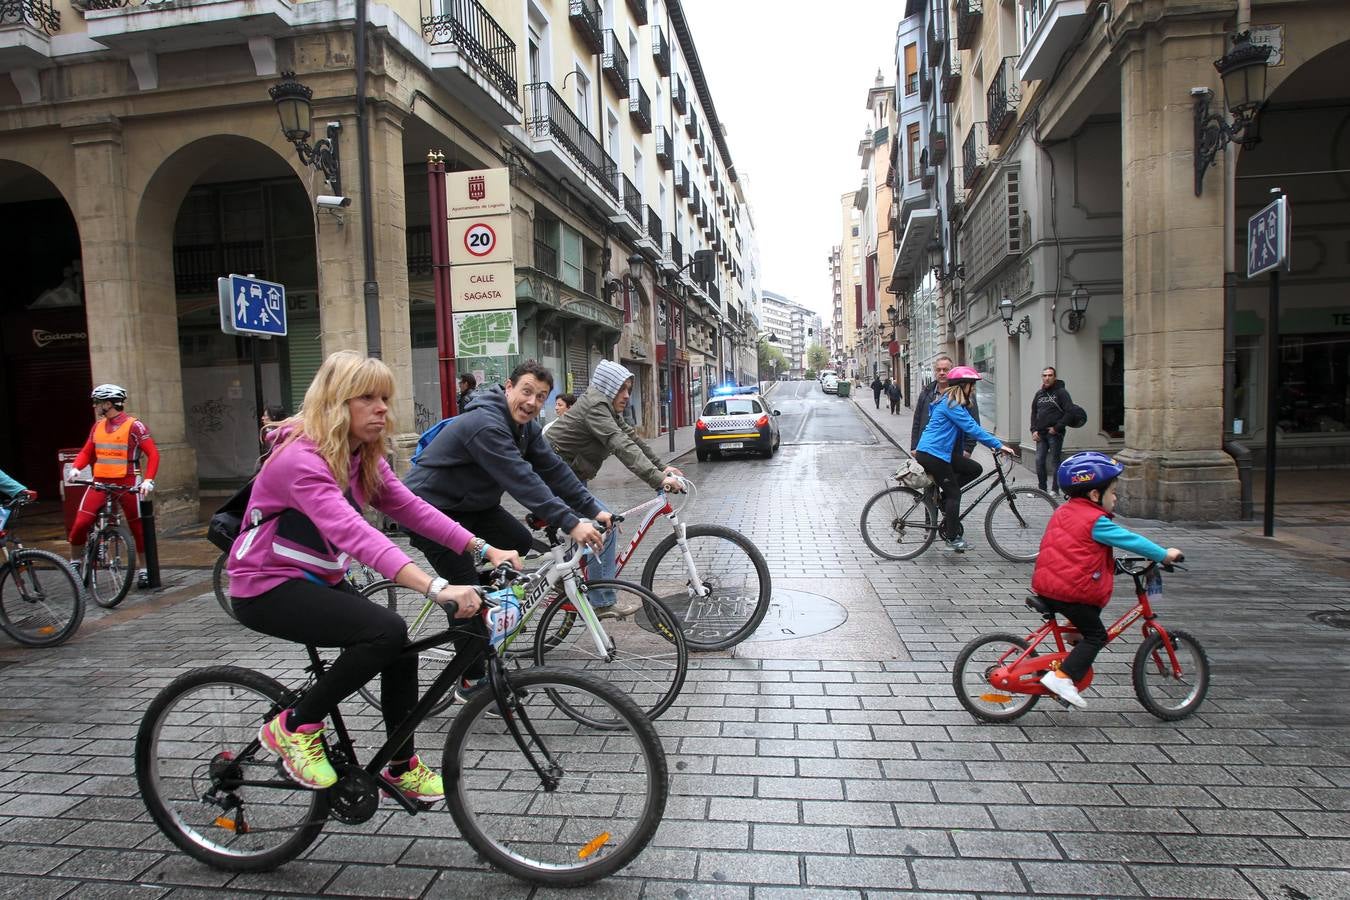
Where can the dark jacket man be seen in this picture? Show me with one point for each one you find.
(1050, 408)
(922, 406)
(592, 430)
(483, 453)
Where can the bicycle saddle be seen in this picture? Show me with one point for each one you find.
(1037, 604)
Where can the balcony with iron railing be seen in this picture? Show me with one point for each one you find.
(937, 36)
(678, 98)
(614, 63)
(545, 259)
(951, 74)
(665, 148)
(639, 10)
(630, 198)
(197, 266)
(975, 154)
(467, 25)
(925, 85)
(417, 242)
(912, 83)
(38, 15)
(551, 118)
(693, 198)
(707, 158)
(1005, 92)
(661, 50)
(673, 249)
(639, 106)
(937, 140)
(590, 282)
(969, 13)
(691, 123)
(654, 226)
(585, 17)
(682, 183)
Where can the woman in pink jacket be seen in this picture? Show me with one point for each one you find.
(302, 525)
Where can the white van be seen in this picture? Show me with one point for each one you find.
(830, 383)
(823, 372)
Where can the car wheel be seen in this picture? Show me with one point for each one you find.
(702, 455)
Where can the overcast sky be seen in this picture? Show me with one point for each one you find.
(790, 80)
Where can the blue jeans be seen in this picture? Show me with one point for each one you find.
(1050, 446)
(607, 568)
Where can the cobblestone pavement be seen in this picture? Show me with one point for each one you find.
(805, 767)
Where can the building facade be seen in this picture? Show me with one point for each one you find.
(150, 125)
(794, 327)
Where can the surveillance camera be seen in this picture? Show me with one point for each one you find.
(328, 201)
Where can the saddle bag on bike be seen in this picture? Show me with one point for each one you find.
(912, 475)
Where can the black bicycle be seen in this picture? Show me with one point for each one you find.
(901, 522)
(551, 775)
(41, 604)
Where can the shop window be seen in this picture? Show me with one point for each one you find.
(1314, 380)
(1113, 389)
(986, 389)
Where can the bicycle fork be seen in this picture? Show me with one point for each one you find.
(697, 588)
(603, 645)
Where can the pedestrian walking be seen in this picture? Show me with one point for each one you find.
(931, 391)
(467, 385)
(1049, 414)
(877, 388)
(893, 395)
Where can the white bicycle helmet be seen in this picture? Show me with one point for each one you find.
(112, 392)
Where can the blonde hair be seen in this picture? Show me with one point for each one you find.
(958, 394)
(325, 418)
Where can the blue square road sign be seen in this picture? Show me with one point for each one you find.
(257, 306)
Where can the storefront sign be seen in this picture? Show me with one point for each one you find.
(474, 288)
(43, 338)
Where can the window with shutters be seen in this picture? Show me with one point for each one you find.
(570, 259)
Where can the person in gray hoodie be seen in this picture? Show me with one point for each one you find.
(595, 429)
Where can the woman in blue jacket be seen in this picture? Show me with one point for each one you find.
(941, 449)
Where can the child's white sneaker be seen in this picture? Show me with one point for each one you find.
(1064, 689)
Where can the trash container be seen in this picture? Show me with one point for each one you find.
(71, 494)
(844, 386)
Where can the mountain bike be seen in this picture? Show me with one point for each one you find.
(108, 566)
(552, 775)
(997, 677)
(645, 654)
(359, 576)
(713, 577)
(41, 603)
(901, 522)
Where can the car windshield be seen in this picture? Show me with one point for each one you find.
(733, 406)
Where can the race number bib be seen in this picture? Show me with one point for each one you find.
(503, 620)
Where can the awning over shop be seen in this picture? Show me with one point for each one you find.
(913, 249)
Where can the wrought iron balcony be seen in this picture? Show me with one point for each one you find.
(951, 75)
(1005, 92)
(925, 84)
(653, 225)
(693, 198)
(691, 124)
(614, 63)
(707, 154)
(196, 266)
(590, 281)
(417, 241)
(37, 14)
(937, 37)
(467, 25)
(665, 148)
(660, 50)
(975, 154)
(937, 141)
(912, 83)
(671, 247)
(682, 185)
(678, 98)
(585, 17)
(545, 259)
(640, 106)
(639, 10)
(969, 13)
(551, 117)
(629, 196)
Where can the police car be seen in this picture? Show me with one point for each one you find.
(736, 422)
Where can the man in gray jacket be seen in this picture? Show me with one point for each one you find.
(941, 366)
(595, 429)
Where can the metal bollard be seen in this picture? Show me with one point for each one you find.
(147, 510)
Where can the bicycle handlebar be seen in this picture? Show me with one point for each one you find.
(105, 486)
(1128, 565)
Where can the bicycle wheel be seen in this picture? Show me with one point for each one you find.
(1016, 520)
(602, 795)
(110, 566)
(734, 573)
(220, 582)
(646, 655)
(197, 744)
(422, 622)
(898, 523)
(1167, 696)
(41, 603)
(970, 677)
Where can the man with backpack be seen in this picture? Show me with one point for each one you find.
(1051, 411)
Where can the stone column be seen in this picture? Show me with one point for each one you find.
(133, 325)
(1173, 276)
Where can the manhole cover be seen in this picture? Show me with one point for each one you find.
(791, 615)
(1336, 618)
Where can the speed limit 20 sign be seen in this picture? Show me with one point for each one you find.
(480, 240)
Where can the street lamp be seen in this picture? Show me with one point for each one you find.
(1243, 71)
(1005, 311)
(1076, 314)
(294, 109)
(631, 276)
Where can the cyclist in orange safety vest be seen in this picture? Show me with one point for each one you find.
(115, 443)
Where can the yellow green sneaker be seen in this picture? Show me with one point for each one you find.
(301, 751)
(418, 783)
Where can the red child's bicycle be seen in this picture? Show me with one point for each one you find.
(998, 676)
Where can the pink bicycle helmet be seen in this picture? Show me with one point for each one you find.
(962, 375)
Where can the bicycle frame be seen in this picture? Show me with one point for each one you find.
(661, 506)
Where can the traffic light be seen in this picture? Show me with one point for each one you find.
(705, 268)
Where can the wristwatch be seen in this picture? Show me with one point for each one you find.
(437, 585)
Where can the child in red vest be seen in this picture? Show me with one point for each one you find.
(1075, 569)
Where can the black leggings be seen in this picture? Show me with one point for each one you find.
(951, 476)
(500, 529)
(1088, 620)
(372, 638)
